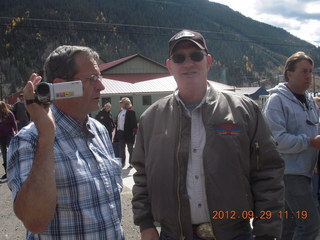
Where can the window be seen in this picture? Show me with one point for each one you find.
(104, 100)
(146, 100)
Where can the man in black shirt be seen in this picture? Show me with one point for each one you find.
(20, 113)
(104, 116)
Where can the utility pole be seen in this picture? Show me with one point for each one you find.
(314, 82)
(314, 85)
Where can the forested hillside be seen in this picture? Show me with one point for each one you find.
(245, 51)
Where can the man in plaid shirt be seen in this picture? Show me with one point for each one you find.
(62, 172)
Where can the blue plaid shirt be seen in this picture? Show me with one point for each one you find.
(88, 179)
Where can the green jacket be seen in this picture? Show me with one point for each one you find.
(243, 170)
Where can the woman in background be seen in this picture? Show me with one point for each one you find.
(8, 128)
(126, 129)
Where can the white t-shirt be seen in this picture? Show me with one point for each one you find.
(121, 119)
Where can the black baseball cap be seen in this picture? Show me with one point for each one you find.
(187, 35)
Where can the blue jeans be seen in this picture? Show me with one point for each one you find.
(122, 148)
(4, 144)
(247, 236)
(315, 188)
(298, 196)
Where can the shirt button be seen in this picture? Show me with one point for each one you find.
(196, 177)
(199, 205)
(194, 150)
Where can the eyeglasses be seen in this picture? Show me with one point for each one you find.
(180, 58)
(93, 79)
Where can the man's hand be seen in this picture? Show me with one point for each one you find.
(150, 234)
(39, 113)
(315, 142)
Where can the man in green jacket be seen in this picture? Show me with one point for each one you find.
(205, 159)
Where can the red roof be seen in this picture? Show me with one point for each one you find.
(109, 65)
(112, 64)
(106, 66)
(130, 77)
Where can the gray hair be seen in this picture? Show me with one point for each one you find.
(61, 62)
(107, 104)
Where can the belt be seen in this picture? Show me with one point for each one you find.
(203, 230)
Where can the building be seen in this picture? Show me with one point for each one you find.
(258, 94)
(144, 81)
(143, 93)
(133, 69)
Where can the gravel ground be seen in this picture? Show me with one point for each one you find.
(11, 227)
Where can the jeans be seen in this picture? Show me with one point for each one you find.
(4, 143)
(298, 196)
(315, 188)
(247, 236)
(122, 148)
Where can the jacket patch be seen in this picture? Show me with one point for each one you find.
(158, 134)
(227, 129)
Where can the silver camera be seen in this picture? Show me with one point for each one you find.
(47, 92)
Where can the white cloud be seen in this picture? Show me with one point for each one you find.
(301, 18)
(313, 7)
(309, 31)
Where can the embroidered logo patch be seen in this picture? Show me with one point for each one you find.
(227, 129)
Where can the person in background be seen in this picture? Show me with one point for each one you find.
(20, 113)
(205, 159)
(293, 117)
(8, 128)
(126, 129)
(64, 179)
(104, 116)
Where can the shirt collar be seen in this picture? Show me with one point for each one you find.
(176, 95)
(71, 125)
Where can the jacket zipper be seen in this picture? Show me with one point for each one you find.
(204, 169)
(178, 187)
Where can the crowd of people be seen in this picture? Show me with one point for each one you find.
(209, 164)
(122, 129)
(12, 119)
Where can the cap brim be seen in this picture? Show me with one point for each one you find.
(190, 40)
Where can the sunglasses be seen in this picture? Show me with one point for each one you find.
(180, 58)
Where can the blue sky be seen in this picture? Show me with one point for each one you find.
(301, 18)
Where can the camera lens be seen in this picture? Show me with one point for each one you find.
(43, 92)
(43, 89)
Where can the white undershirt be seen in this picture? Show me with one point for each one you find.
(195, 172)
(121, 119)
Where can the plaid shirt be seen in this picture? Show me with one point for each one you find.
(88, 179)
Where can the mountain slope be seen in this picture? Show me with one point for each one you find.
(244, 50)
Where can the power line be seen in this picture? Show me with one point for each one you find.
(151, 27)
